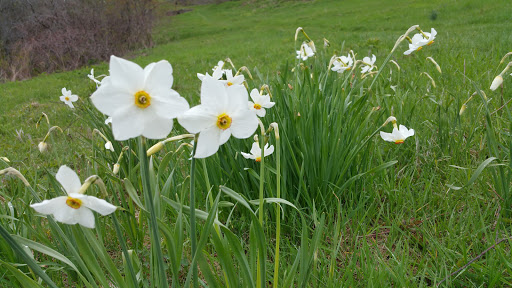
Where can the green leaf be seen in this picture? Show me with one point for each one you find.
(133, 193)
(236, 196)
(24, 280)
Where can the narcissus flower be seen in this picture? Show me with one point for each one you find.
(256, 151)
(260, 103)
(343, 63)
(74, 208)
(368, 64)
(233, 80)
(398, 135)
(68, 98)
(223, 112)
(140, 101)
(305, 52)
(419, 40)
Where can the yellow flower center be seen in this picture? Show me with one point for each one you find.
(67, 98)
(230, 83)
(257, 106)
(399, 141)
(419, 48)
(142, 99)
(73, 202)
(224, 121)
(258, 159)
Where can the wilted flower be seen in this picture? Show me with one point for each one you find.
(398, 135)
(140, 101)
(256, 151)
(68, 98)
(496, 82)
(305, 52)
(223, 111)
(368, 64)
(76, 207)
(343, 63)
(259, 103)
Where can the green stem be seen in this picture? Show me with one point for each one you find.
(259, 282)
(278, 209)
(193, 214)
(160, 278)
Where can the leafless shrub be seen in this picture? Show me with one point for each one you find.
(47, 35)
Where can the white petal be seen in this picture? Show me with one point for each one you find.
(169, 104)
(386, 136)
(255, 94)
(99, 205)
(269, 151)
(156, 127)
(208, 142)
(68, 179)
(255, 149)
(260, 112)
(126, 74)
(224, 136)
(85, 217)
(244, 124)
(50, 206)
(127, 123)
(237, 98)
(67, 215)
(268, 105)
(70, 104)
(197, 119)
(158, 76)
(247, 155)
(73, 98)
(213, 94)
(109, 98)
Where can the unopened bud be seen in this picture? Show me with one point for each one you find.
(496, 82)
(155, 148)
(462, 109)
(116, 168)
(256, 139)
(326, 43)
(390, 119)
(43, 147)
(109, 146)
(5, 159)
(14, 172)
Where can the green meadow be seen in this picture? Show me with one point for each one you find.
(347, 208)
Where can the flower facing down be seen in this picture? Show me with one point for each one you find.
(256, 152)
(74, 208)
(260, 103)
(305, 52)
(398, 135)
(498, 80)
(368, 64)
(68, 98)
(140, 101)
(223, 112)
(419, 40)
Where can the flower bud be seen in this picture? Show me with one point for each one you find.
(462, 109)
(155, 148)
(5, 159)
(496, 82)
(108, 146)
(116, 168)
(43, 147)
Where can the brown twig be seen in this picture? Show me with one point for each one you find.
(473, 260)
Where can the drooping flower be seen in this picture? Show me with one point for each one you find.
(68, 98)
(419, 40)
(140, 101)
(259, 103)
(498, 80)
(398, 135)
(76, 207)
(223, 111)
(305, 52)
(368, 64)
(256, 152)
(342, 63)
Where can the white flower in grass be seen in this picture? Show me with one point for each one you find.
(342, 64)
(368, 64)
(140, 101)
(68, 98)
(233, 80)
(256, 152)
(109, 146)
(223, 112)
(419, 40)
(398, 135)
(218, 72)
(74, 208)
(305, 52)
(259, 103)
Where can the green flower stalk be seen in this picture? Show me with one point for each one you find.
(16, 173)
(498, 80)
(160, 145)
(278, 209)
(193, 213)
(43, 146)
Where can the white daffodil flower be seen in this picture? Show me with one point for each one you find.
(305, 52)
(233, 80)
(218, 72)
(398, 135)
(343, 63)
(419, 40)
(140, 101)
(259, 103)
(368, 64)
(68, 98)
(74, 208)
(223, 112)
(109, 146)
(256, 152)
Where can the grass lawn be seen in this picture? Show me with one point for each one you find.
(376, 213)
